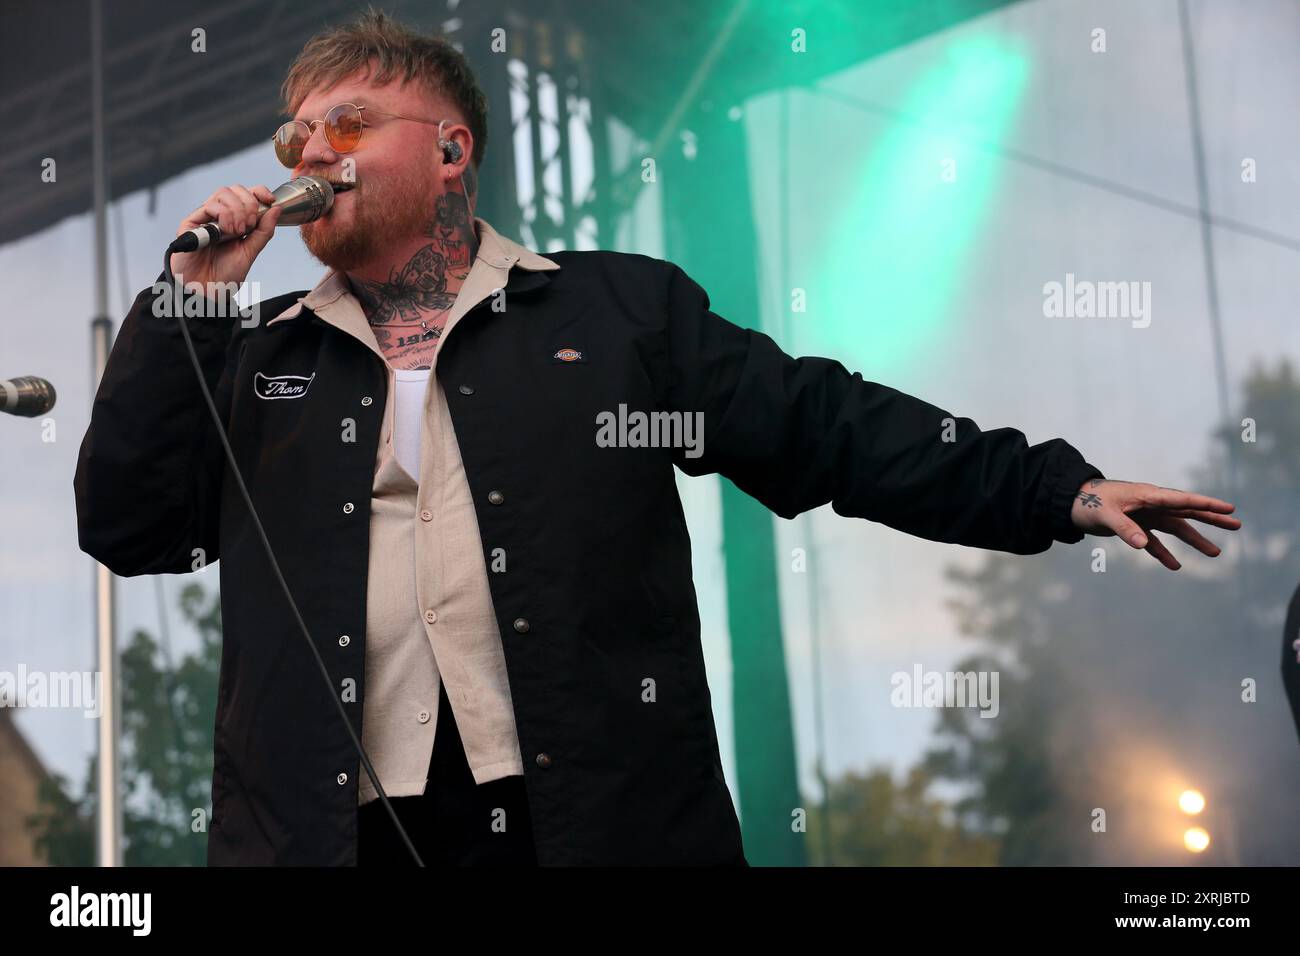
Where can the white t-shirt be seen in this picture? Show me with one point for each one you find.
(408, 417)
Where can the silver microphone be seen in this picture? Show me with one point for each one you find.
(26, 395)
(304, 199)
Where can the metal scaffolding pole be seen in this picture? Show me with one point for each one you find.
(109, 821)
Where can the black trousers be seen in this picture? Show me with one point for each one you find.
(451, 823)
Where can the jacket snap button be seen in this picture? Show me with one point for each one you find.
(426, 515)
(344, 640)
(496, 497)
(347, 508)
(367, 400)
(521, 625)
(431, 616)
(423, 717)
(466, 389)
(342, 779)
(543, 760)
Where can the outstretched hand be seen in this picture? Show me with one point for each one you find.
(1133, 509)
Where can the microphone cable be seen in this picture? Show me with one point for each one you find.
(275, 565)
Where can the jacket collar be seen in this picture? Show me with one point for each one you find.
(492, 270)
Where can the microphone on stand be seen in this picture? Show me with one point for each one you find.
(303, 199)
(26, 395)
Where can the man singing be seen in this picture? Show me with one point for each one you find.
(503, 601)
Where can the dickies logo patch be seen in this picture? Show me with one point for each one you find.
(281, 386)
(568, 355)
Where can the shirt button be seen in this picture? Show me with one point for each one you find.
(426, 515)
(521, 625)
(342, 779)
(466, 389)
(367, 400)
(431, 615)
(496, 497)
(344, 640)
(422, 716)
(347, 508)
(543, 760)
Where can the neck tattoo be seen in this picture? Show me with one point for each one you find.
(421, 285)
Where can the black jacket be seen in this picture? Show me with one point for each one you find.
(599, 558)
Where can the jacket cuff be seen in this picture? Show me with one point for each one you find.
(219, 318)
(1063, 481)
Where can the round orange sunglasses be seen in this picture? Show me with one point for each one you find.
(343, 126)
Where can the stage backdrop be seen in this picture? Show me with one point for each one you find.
(911, 216)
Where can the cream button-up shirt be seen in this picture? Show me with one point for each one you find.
(429, 613)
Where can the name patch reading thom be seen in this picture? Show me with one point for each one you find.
(281, 386)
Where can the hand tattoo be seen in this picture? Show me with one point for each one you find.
(1089, 500)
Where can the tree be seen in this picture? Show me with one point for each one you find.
(1118, 687)
(878, 822)
(167, 728)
